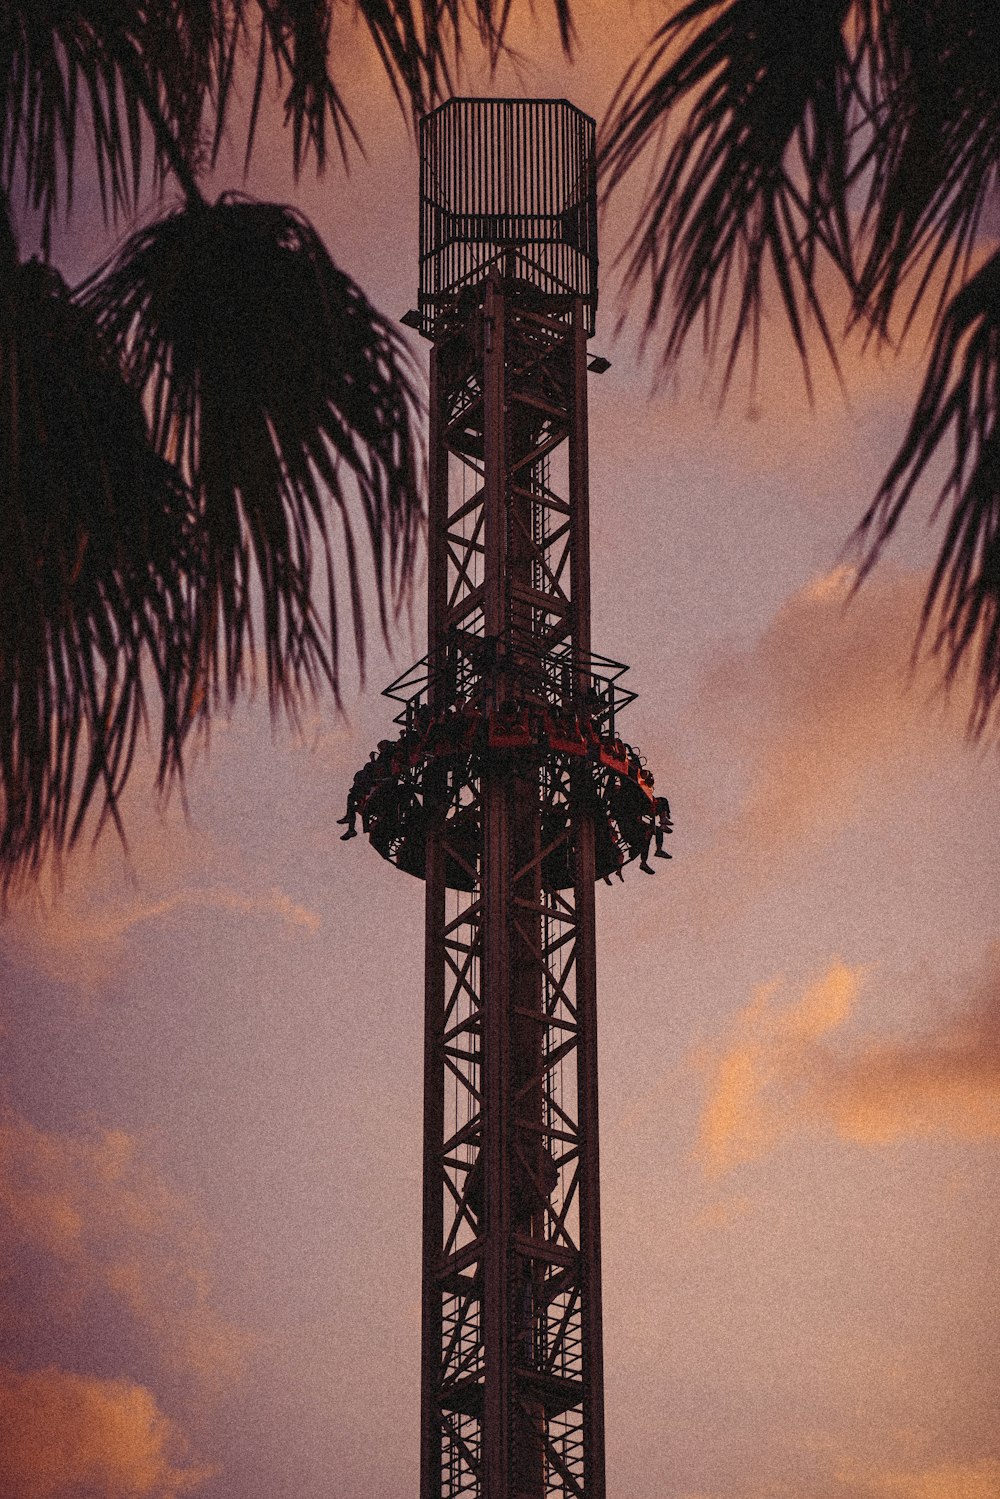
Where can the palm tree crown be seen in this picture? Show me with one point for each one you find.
(862, 135)
(188, 439)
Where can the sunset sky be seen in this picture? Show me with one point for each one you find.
(211, 1079)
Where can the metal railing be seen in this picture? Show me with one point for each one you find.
(473, 666)
(509, 182)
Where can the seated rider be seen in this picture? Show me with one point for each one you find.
(454, 726)
(360, 786)
(644, 840)
(384, 814)
(663, 825)
(422, 718)
(655, 819)
(609, 857)
(594, 706)
(633, 814)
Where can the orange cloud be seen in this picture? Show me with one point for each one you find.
(723, 1212)
(82, 941)
(824, 702)
(954, 1480)
(820, 720)
(946, 1083)
(751, 1076)
(976, 1479)
(780, 1071)
(65, 1435)
(89, 1217)
(76, 923)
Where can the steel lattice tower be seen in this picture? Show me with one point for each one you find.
(509, 793)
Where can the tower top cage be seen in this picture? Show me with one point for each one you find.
(511, 183)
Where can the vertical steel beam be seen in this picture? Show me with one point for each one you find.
(437, 522)
(495, 453)
(579, 499)
(433, 1203)
(434, 976)
(497, 917)
(590, 1203)
(586, 948)
(496, 1428)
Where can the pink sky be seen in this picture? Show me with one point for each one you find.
(209, 1137)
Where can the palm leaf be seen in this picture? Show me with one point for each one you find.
(163, 529)
(934, 154)
(960, 397)
(123, 70)
(103, 66)
(754, 178)
(279, 392)
(790, 115)
(420, 44)
(95, 533)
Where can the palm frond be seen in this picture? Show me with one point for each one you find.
(960, 397)
(933, 156)
(445, 24)
(279, 392)
(292, 39)
(100, 68)
(754, 178)
(95, 531)
(433, 34)
(419, 42)
(140, 86)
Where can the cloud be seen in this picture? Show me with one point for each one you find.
(823, 701)
(976, 1479)
(781, 1070)
(953, 1480)
(818, 723)
(945, 1083)
(66, 1435)
(84, 1217)
(80, 941)
(773, 419)
(751, 1075)
(75, 923)
(107, 928)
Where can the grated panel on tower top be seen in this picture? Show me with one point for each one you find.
(511, 183)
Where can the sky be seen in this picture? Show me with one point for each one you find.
(211, 1044)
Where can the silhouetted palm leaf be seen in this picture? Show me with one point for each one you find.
(754, 177)
(934, 149)
(179, 440)
(871, 131)
(277, 388)
(960, 396)
(111, 70)
(95, 535)
(103, 67)
(419, 42)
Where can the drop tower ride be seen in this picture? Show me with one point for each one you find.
(509, 792)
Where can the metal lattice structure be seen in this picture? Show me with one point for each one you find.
(509, 793)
